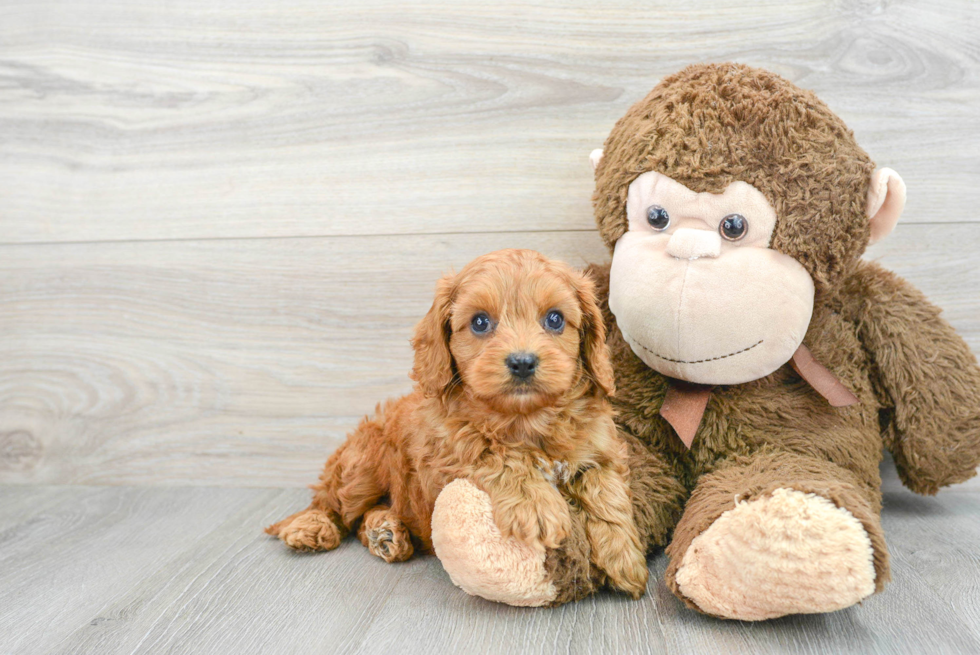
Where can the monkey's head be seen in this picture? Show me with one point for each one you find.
(733, 201)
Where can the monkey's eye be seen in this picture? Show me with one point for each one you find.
(733, 227)
(554, 321)
(480, 324)
(657, 217)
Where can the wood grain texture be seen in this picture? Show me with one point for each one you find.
(165, 570)
(241, 118)
(189, 362)
(220, 219)
(60, 566)
(246, 362)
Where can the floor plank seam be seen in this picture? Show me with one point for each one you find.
(381, 235)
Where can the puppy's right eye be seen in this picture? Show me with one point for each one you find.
(554, 321)
(480, 324)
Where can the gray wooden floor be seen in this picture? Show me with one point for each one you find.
(186, 570)
(220, 219)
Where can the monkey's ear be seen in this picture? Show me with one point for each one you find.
(886, 200)
(594, 157)
(434, 369)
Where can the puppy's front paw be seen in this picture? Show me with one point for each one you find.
(309, 530)
(627, 571)
(540, 517)
(616, 550)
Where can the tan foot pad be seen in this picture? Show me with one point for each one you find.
(789, 553)
(477, 557)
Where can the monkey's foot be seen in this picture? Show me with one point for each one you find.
(478, 558)
(788, 553)
(385, 536)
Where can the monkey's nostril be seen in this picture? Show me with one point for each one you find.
(522, 365)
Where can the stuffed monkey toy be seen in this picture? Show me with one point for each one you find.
(761, 365)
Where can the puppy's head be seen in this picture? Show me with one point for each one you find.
(514, 329)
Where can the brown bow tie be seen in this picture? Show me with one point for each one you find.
(685, 402)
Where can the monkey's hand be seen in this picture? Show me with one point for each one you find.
(484, 563)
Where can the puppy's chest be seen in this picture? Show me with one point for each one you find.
(558, 472)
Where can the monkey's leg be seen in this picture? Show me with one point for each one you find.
(384, 534)
(776, 533)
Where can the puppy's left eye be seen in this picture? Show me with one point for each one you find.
(554, 321)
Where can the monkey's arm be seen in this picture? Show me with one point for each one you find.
(926, 378)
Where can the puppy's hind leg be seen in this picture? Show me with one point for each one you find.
(348, 486)
(383, 533)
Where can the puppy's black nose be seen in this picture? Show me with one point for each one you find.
(522, 365)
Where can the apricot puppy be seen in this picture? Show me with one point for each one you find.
(512, 379)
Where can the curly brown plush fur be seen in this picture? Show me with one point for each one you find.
(710, 125)
(917, 382)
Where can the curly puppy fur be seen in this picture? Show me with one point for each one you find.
(530, 443)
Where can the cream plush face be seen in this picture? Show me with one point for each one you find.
(696, 290)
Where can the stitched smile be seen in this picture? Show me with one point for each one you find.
(696, 361)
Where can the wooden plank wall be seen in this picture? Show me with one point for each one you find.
(219, 220)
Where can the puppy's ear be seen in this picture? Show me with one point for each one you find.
(592, 334)
(434, 368)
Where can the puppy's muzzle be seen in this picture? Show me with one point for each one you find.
(522, 365)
